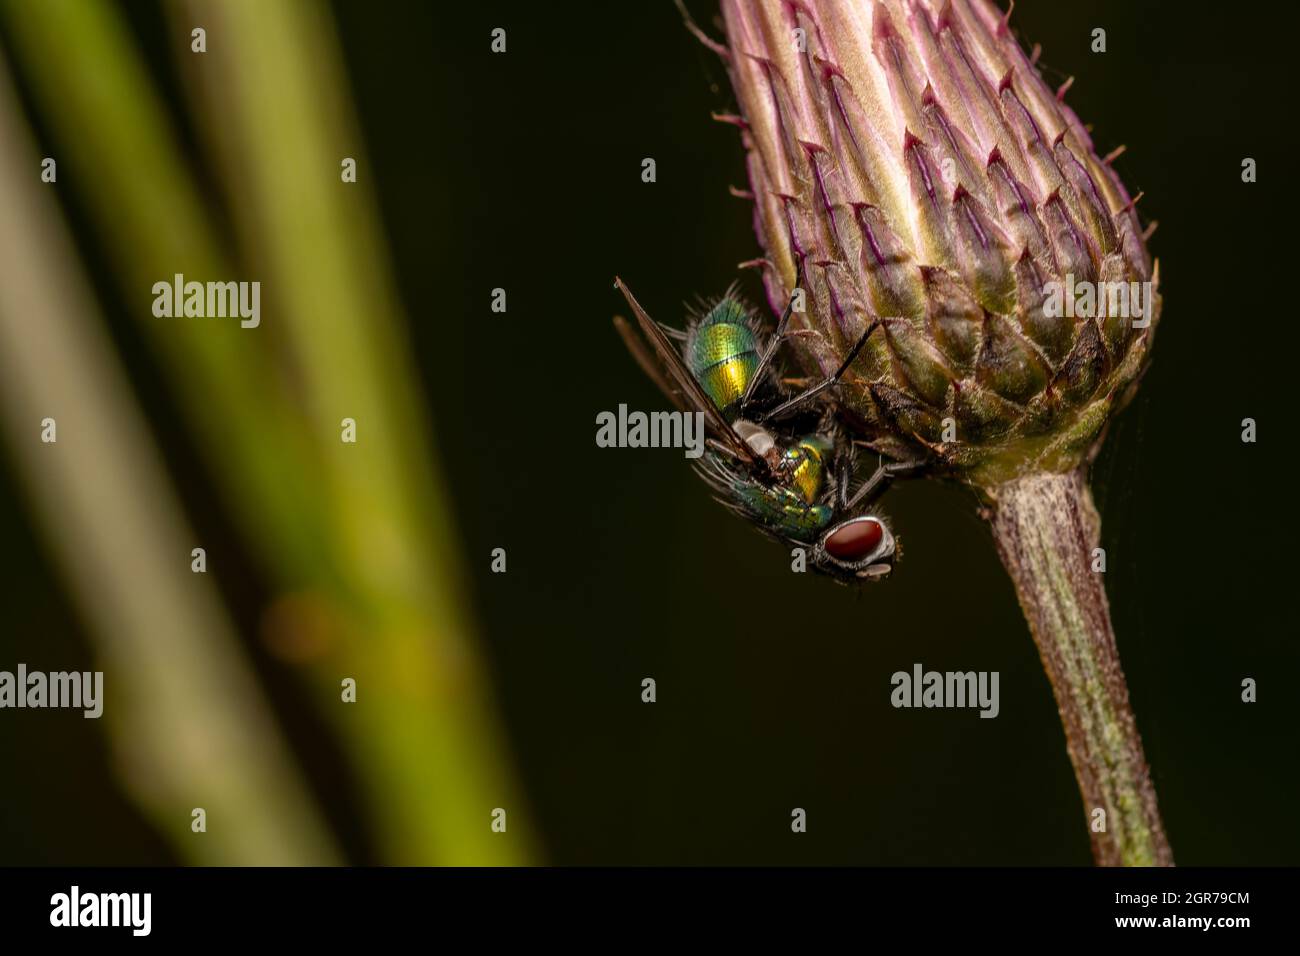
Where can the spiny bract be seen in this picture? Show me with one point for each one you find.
(910, 154)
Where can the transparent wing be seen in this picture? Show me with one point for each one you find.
(674, 378)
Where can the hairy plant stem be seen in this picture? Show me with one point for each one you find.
(1046, 528)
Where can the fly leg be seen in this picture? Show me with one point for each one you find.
(765, 361)
(809, 394)
(879, 482)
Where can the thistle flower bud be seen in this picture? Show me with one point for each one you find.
(910, 156)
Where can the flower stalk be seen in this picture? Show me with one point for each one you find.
(1046, 530)
(907, 159)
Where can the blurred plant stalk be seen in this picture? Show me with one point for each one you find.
(189, 724)
(358, 538)
(907, 154)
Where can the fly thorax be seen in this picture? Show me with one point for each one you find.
(803, 465)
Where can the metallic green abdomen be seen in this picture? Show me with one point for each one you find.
(722, 354)
(785, 512)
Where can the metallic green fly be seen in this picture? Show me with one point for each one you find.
(780, 460)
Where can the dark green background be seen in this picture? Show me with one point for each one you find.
(523, 171)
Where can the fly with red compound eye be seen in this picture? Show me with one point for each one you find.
(840, 530)
(780, 461)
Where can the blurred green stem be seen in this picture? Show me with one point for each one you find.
(188, 722)
(272, 100)
(116, 149)
(362, 531)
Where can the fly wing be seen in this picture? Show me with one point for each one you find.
(674, 378)
(652, 368)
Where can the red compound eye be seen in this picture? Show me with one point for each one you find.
(855, 540)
